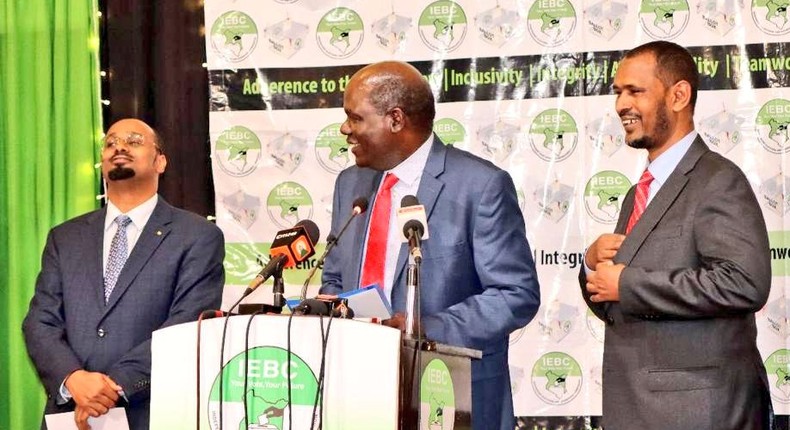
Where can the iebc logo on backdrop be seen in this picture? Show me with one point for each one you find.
(289, 203)
(777, 365)
(772, 123)
(443, 26)
(331, 149)
(603, 195)
(340, 33)
(237, 151)
(556, 378)
(551, 23)
(770, 16)
(234, 36)
(664, 19)
(553, 135)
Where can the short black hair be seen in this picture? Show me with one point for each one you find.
(673, 64)
(390, 90)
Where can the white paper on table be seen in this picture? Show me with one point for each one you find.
(368, 302)
(114, 419)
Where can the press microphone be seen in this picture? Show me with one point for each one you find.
(321, 307)
(413, 221)
(290, 246)
(213, 313)
(359, 206)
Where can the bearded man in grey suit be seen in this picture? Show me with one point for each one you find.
(679, 281)
(111, 277)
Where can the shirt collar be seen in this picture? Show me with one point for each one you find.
(410, 170)
(665, 164)
(139, 214)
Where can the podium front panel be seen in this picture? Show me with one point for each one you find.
(361, 368)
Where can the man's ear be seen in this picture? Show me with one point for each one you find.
(680, 96)
(160, 163)
(397, 119)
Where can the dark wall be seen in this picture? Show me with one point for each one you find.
(153, 53)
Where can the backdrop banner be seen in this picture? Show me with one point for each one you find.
(524, 84)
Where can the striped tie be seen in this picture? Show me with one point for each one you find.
(640, 199)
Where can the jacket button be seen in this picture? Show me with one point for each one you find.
(101, 332)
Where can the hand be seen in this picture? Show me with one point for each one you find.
(81, 418)
(604, 283)
(397, 321)
(603, 249)
(94, 392)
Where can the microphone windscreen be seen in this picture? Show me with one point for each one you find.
(311, 228)
(409, 200)
(361, 203)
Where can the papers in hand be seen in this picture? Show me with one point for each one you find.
(114, 419)
(368, 302)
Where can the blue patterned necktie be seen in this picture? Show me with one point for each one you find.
(118, 253)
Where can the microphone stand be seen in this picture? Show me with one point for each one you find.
(278, 290)
(331, 241)
(413, 285)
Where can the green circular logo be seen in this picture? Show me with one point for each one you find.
(289, 203)
(267, 373)
(664, 19)
(777, 365)
(437, 396)
(604, 195)
(234, 36)
(340, 33)
(556, 378)
(551, 23)
(442, 26)
(450, 131)
(553, 135)
(770, 16)
(237, 151)
(331, 149)
(772, 125)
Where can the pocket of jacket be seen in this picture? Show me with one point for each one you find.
(684, 379)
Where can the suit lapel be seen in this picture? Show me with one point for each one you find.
(95, 257)
(155, 231)
(430, 188)
(660, 203)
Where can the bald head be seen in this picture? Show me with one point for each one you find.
(396, 84)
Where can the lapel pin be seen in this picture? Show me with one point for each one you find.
(159, 232)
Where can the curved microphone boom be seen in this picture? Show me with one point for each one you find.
(359, 206)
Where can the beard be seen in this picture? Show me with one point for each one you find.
(119, 173)
(660, 131)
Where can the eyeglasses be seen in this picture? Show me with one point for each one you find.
(132, 140)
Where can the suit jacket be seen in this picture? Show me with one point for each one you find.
(680, 347)
(173, 273)
(478, 280)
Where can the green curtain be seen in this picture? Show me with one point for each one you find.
(50, 123)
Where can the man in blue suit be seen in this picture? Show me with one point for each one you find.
(111, 277)
(478, 278)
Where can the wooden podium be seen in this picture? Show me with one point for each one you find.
(368, 377)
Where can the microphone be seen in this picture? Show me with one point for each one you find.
(320, 307)
(359, 206)
(213, 313)
(290, 246)
(413, 221)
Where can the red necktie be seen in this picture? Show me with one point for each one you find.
(640, 199)
(376, 255)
